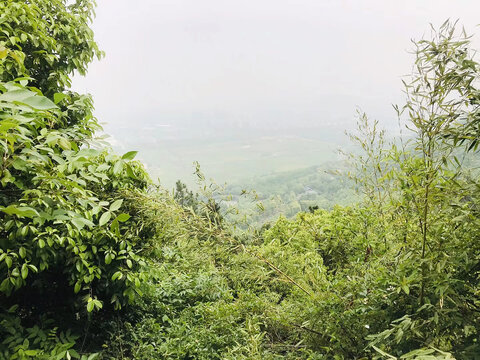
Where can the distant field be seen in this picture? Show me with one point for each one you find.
(228, 152)
(233, 161)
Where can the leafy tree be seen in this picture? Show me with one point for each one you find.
(69, 239)
(184, 197)
(436, 259)
(47, 41)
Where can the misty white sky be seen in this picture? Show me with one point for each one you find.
(257, 60)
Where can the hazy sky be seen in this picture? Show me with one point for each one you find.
(257, 60)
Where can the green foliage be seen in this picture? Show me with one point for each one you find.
(424, 196)
(39, 342)
(289, 193)
(68, 239)
(47, 41)
(57, 197)
(64, 217)
(200, 300)
(184, 197)
(95, 261)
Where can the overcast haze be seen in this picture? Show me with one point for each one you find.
(261, 62)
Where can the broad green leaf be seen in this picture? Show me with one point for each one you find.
(78, 287)
(32, 267)
(81, 222)
(22, 211)
(90, 305)
(123, 217)
(116, 205)
(58, 97)
(64, 144)
(118, 167)
(130, 172)
(18, 94)
(129, 155)
(117, 275)
(106, 216)
(24, 271)
(78, 224)
(115, 227)
(39, 103)
(32, 352)
(98, 304)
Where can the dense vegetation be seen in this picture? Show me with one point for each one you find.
(98, 262)
(287, 193)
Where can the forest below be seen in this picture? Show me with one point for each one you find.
(378, 258)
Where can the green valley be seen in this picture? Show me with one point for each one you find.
(291, 260)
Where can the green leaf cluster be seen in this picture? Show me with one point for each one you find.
(68, 239)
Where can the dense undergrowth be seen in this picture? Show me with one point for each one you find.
(97, 262)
